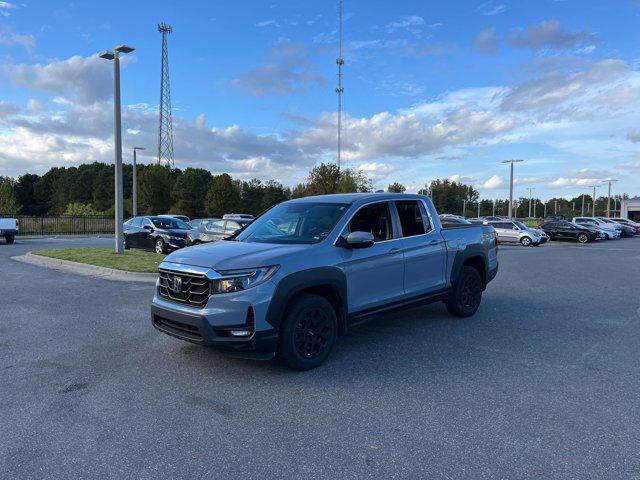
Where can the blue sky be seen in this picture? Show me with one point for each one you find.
(432, 89)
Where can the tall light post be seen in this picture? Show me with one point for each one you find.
(609, 181)
(134, 193)
(594, 199)
(582, 215)
(531, 189)
(511, 185)
(117, 127)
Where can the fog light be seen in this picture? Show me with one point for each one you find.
(240, 333)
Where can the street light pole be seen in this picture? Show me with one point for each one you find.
(593, 214)
(511, 185)
(134, 193)
(531, 189)
(117, 130)
(582, 215)
(609, 181)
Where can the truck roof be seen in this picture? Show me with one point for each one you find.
(350, 198)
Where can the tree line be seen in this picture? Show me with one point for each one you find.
(88, 190)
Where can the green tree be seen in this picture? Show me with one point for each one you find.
(223, 196)
(155, 189)
(396, 188)
(353, 181)
(24, 191)
(252, 196)
(273, 194)
(189, 192)
(76, 209)
(323, 179)
(8, 203)
(448, 196)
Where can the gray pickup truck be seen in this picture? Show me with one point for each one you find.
(297, 277)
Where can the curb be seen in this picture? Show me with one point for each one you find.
(85, 269)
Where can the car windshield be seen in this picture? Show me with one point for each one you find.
(169, 223)
(293, 223)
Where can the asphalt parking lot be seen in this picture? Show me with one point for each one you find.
(542, 383)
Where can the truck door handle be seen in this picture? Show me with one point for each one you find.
(393, 251)
(434, 242)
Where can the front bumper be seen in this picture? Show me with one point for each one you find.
(213, 325)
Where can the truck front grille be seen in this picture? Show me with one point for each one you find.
(184, 288)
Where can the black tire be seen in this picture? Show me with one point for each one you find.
(466, 295)
(9, 239)
(158, 245)
(126, 243)
(525, 241)
(308, 332)
(582, 238)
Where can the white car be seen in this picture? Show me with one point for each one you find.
(8, 229)
(609, 229)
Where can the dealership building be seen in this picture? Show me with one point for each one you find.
(630, 208)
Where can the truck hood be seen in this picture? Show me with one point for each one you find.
(232, 255)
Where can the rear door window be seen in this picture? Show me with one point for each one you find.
(412, 220)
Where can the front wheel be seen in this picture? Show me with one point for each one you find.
(158, 246)
(308, 333)
(466, 294)
(582, 238)
(9, 239)
(525, 241)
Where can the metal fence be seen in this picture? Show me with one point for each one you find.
(64, 224)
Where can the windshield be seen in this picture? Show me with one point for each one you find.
(521, 225)
(294, 223)
(169, 223)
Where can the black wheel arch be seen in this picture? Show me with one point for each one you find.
(472, 256)
(327, 282)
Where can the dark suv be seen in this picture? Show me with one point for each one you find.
(563, 230)
(157, 234)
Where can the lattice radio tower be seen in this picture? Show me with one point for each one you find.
(165, 129)
(340, 90)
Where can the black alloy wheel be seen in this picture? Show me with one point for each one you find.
(308, 333)
(466, 294)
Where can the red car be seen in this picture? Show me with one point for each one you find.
(628, 223)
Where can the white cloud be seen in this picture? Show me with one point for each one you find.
(495, 181)
(491, 8)
(6, 7)
(548, 34)
(633, 136)
(9, 37)
(486, 41)
(406, 21)
(267, 23)
(86, 79)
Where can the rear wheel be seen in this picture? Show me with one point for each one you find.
(9, 239)
(583, 238)
(308, 333)
(158, 245)
(466, 294)
(525, 241)
(126, 243)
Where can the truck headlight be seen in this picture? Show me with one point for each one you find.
(237, 280)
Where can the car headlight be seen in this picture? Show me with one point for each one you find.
(237, 280)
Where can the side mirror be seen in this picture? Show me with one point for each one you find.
(148, 227)
(357, 240)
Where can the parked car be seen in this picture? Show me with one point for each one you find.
(299, 275)
(625, 230)
(610, 231)
(453, 220)
(215, 230)
(157, 234)
(184, 218)
(241, 216)
(199, 221)
(8, 229)
(629, 223)
(563, 230)
(513, 231)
